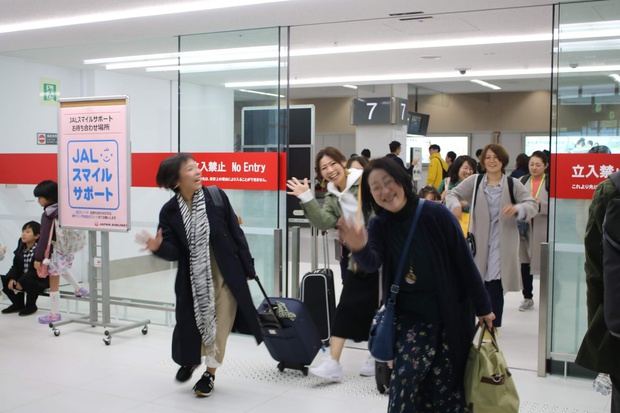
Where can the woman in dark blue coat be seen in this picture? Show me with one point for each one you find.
(441, 290)
(214, 264)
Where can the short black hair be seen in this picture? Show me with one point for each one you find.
(478, 152)
(34, 226)
(168, 172)
(394, 145)
(599, 149)
(435, 146)
(366, 153)
(393, 169)
(47, 189)
(522, 161)
(451, 155)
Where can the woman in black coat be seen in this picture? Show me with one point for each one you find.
(214, 264)
(440, 291)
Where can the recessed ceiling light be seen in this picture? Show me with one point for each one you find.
(485, 84)
(350, 86)
(430, 57)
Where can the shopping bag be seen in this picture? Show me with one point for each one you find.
(489, 387)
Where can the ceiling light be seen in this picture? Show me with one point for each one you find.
(215, 67)
(422, 77)
(615, 77)
(171, 8)
(350, 86)
(589, 30)
(256, 92)
(485, 84)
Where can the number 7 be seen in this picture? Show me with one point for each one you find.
(373, 105)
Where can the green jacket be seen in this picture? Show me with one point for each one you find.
(599, 349)
(326, 217)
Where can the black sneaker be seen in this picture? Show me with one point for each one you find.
(204, 387)
(185, 373)
(28, 310)
(13, 308)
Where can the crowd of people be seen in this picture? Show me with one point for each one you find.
(445, 286)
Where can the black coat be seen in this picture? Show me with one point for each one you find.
(231, 251)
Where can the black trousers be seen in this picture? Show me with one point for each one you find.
(615, 394)
(528, 281)
(31, 285)
(496, 295)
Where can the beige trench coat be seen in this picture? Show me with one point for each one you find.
(529, 250)
(510, 267)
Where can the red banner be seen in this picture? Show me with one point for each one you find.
(577, 175)
(256, 171)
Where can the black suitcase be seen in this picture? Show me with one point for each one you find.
(382, 376)
(293, 343)
(317, 292)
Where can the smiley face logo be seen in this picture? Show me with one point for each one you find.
(107, 155)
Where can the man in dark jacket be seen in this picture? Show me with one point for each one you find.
(22, 278)
(599, 349)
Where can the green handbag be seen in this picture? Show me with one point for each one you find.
(489, 387)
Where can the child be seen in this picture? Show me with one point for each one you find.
(22, 278)
(430, 193)
(47, 195)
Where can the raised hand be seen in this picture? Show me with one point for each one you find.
(297, 188)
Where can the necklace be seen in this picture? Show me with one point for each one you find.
(411, 278)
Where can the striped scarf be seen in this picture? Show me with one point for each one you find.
(197, 229)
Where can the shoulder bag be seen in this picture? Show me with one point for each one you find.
(382, 337)
(44, 267)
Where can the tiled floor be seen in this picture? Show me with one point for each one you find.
(77, 372)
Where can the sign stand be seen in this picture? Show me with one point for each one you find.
(94, 181)
(100, 293)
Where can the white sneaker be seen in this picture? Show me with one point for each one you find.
(368, 369)
(329, 369)
(526, 304)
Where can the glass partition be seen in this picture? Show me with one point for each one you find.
(223, 76)
(586, 106)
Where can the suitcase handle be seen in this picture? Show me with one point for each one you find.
(325, 249)
(268, 301)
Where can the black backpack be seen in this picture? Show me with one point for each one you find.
(611, 261)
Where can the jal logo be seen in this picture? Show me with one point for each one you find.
(41, 139)
(96, 223)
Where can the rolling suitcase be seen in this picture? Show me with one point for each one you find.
(317, 292)
(382, 376)
(289, 333)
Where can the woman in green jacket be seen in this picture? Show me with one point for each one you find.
(360, 292)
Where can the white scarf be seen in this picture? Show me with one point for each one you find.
(198, 231)
(347, 201)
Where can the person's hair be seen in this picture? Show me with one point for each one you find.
(366, 153)
(434, 146)
(429, 189)
(330, 151)
(499, 151)
(451, 155)
(168, 174)
(393, 169)
(453, 173)
(34, 226)
(541, 155)
(478, 152)
(580, 141)
(394, 145)
(47, 189)
(353, 155)
(599, 149)
(360, 159)
(522, 161)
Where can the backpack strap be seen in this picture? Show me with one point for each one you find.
(524, 178)
(511, 189)
(615, 178)
(214, 191)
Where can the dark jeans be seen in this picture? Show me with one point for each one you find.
(528, 281)
(496, 295)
